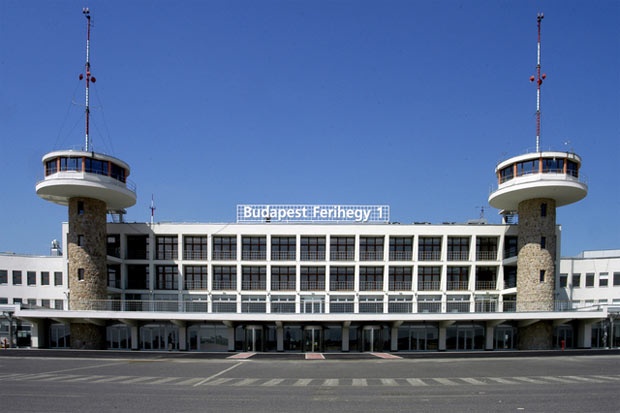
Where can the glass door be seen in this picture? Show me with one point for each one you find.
(465, 339)
(313, 339)
(372, 339)
(253, 338)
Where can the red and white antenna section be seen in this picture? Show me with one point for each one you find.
(89, 78)
(539, 80)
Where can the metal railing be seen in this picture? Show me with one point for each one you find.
(259, 306)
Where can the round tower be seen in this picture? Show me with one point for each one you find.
(533, 186)
(91, 185)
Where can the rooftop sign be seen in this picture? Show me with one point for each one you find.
(314, 213)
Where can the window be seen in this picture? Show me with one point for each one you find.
(589, 279)
(458, 248)
(283, 248)
(224, 304)
(57, 278)
(195, 247)
(137, 277)
(511, 246)
(603, 279)
(283, 278)
(58, 305)
(80, 240)
(458, 278)
(96, 166)
(429, 249)
(543, 209)
(312, 278)
(429, 278)
(341, 304)
(45, 303)
(341, 278)
(282, 304)
(113, 245)
(616, 279)
(486, 248)
(543, 242)
(254, 248)
(80, 274)
(253, 304)
(371, 304)
(400, 278)
(114, 276)
(17, 277)
(486, 278)
(195, 277)
(342, 248)
(224, 277)
(254, 277)
(4, 277)
(137, 247)
(312, 248)
(576, 280)
(371, 278)
(80, 207)
(553, 165)
(401, 248)
(527, 167)
(51, 167)
(542, 276)
(506, 174)
(31, 278)
(167, 277)
(167, 247)
(225, 247)
(371, 248)
(563, 280)
(45, 278)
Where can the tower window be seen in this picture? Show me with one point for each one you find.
(542, 276)
(80, 240)
(80, 207)
(543, 242)
(543, 209)
(80, 274)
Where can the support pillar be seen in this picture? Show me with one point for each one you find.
(345, 336)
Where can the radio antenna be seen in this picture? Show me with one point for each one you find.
(539, 80)
(89, 78)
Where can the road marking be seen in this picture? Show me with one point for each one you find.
(359, 382)
(218, 374)
(245, 382)
(558, 379)
(164, 380)
(608, 377)
(138, 379)
(331, 382)
(273, 382)
(217, 382)
(112, 378)
(417, 382)
(302, 382)
(471, 380)
(586, 379)
(315, 356)
(386, 356)
(389, 382)
(529, 380)
(502, 380)
(241, 355)
(445, 382)
(193, 381)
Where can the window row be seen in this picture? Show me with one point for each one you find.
(311, 248)
(30, 278)
(311, 278)
(589, 280)
(32, 303)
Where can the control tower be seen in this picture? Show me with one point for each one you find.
(91, 185)
(532, 186)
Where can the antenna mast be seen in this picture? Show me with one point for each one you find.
(539, 80)
(89, 78)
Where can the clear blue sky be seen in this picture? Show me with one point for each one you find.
(219, 103)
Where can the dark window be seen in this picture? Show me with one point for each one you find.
(80, 274)
(527, 167)
(576, 280)
(401, 248)
(137, 277)
(341, 278)
(45, 278)
(542, 276)
(400, 278)
(70, 164)
(4, 277)
(195, 277)
(553, 165)
(603, 281)
(511, 246)
(563, 280)
(51, 167)
(458, 248)
(506, 174)
(195, 247)
(342, 248)
(225, 247)
(486, 278)
(572, 168)
(224, 277)
(429, 249)
(96, 166)
(371, 248)
(590, 279)
(254, 278)
(283, 248)
(57, 278)
(80, 207)
(137, 247)
(254, 248)
(543, 242)
(429, 278)
(458, 278)
(283, 278)
(167, 277)
(31, 278)
(167, 247)
(616, 279)
(371, 278)
(113, 245)
(486, 248)
(114, 276)
(118, 173)
(17, 277)
(80, 240)
(543, 209)
(312, 248)
(312, 278)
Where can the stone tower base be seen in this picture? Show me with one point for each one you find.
(538, 336)
(87, 336)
